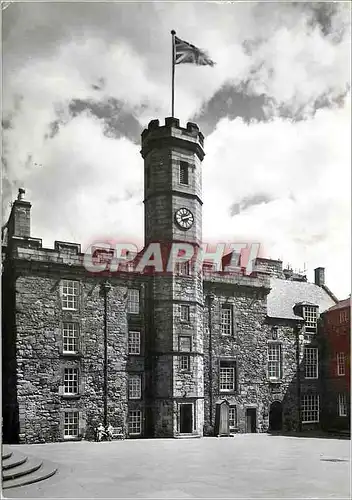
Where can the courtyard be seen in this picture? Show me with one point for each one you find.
(244, 466)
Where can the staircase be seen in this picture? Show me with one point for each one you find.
(18, 470)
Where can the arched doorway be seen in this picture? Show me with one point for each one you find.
(275, 416)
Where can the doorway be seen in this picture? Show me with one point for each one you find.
(275, 416)
(186, 418)
(251, 420)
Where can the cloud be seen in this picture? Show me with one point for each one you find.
(81, 81)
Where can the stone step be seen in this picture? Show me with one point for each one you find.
(43, 472)
(13, 460)
(6, 454)
(29, 466)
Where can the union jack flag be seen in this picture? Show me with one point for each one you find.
(188, 53)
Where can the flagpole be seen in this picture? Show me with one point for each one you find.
(173, 33)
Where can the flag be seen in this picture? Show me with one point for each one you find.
(187, 53)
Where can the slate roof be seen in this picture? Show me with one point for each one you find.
(284, 294)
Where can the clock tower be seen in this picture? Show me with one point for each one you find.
(173, 213)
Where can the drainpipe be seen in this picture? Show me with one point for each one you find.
(210, 298)
(106, 289)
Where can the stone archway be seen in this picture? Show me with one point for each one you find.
(275, 416)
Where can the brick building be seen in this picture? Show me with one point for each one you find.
(335, 343)
(180, 354)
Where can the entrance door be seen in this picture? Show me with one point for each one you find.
(224, 419)
(275, 416)
(186, 418)
(251, 420)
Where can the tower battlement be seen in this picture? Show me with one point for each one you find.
(172, 133)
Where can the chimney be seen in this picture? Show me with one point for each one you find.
(319, 276)
(19, 223)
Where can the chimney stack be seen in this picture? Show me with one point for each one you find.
(319, 276)
(19, 223)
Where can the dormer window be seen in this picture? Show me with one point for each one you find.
(310, 314)
(184, 173)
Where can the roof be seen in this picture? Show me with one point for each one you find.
(341, 304)
(284, 294)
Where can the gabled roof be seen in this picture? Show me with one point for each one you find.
(285, 294)
(340, 305)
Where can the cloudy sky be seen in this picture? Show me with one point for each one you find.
(82, 80)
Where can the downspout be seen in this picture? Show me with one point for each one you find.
(106, 289)
(210, 298)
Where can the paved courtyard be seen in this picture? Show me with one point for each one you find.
(244, 466)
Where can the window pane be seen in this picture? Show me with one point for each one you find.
(185, 344)
(183, 172)
(184, 313)
(341, 363)
(342, 401)
(232, 417)
(227, 378)
(185, 363)
(274, 361)
(310, 314)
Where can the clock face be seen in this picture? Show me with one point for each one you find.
(184, 218)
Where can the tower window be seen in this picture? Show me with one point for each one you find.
(185, 363)
(184, 173)
(274, 361)
(69, 294)
(226, 319)
(184, 313)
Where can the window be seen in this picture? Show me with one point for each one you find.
(184, 313)
(71, 424)
(135, 387)
(227, 376)
(185, 363)
(226, 319)
(274, 361)
(342, 402)
(184, 343)
(135, 422)
(184, 173)
(69, 294)
(133, 301)
(310, 314)
(343, 316)
(183, 268)
(232, 417)
(134, 342)
(311, 362)
(310, 408)
(70, 337)
(340, 364)
(71, 381)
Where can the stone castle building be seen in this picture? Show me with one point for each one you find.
(184, 354)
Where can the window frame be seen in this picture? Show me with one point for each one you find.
(310, 312)
(130, 335)
(340, 364)
(133, 306)
(183, 167)
(234, 419)
(140, 420)
(65, 424)
(185, 307)
(313, 407)
(76, 337)
(342, 404)
(229, 322)
(228, 366)
(310, 365)
(133, 377)
(278, 362)
(185, 363)
(76, 381)
(65, 285)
